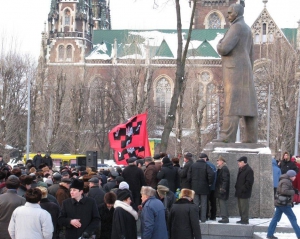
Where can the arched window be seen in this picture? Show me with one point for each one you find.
(163, 99)
(69, 53)
(67, 17)
(214, 21)
(211, 107)
(61, 53)
(264, 35)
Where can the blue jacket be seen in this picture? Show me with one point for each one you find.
(153, 221)
(276, 173)
(213, 167)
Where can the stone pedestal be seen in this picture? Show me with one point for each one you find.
(259, 159)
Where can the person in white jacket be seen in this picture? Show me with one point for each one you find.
(30, 220)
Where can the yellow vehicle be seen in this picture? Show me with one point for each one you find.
(60, 159)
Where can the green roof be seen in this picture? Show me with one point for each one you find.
(291, 35)
(205, 49)
(164, 50)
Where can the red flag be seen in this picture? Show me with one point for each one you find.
(130, 139)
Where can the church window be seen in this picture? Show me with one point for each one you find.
(214, 21)
(61, 53)
(163, 99)
(257, 40)
(69, 53)
(264, 32)
(67, 17)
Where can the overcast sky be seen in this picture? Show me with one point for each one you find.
(24, 20)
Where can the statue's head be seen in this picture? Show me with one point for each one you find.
(234, 11)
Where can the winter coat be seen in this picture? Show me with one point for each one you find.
(21, 190)
(150, 175)
(296, 182)
(53, 188)
(236, 50)
(9, 201)
(244, 182)
(54, 211)
(287, 165)
(62, 194)
(285, 187)
(213, 167)
(37, 226)
(168, 200)
(170, 173)
(183, 220)
(222, 183)
(97, 193)
(86, 210)
(124, 221)
(201, 176)
(153, 222)
(135, 178)
(109, 185)
(106, 217)
(48, 161)
(37, 160)
(276, 173)
(184, 182)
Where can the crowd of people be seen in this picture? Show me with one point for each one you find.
(154, 197)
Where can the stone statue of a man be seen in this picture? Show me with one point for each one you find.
(236, 50)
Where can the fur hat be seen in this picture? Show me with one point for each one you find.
(291, 173)
(162, 190)
(123, 195)
(187, 193)
(148, 191)
(203, 156)
(243, 158)
(110, 198)
(166, 160)
(77, 183)
(221, 159)
(123, 185)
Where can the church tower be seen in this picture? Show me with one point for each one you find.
(101, 14)
(70, 26)
(211, 14)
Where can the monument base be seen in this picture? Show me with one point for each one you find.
(259, 159)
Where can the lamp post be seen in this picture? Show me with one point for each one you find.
(28, 119)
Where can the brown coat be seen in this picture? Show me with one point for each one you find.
(236, 50)
(150, 175)
(62, 194)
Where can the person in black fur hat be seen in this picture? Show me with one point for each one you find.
(82, 211)
(170, 173)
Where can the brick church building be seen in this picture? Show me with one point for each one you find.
(135, 69)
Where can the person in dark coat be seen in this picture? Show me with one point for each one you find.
(222, 188)
(285, 189)
(50, 207)
(188, 161)
(201, 177)
(170, 173)
(9, 201)
(183, 219)
(48, 160)
(25, 184)
(111, 182)
(106, 211)
(243, 189)
(56, 178)
(37, 159)
(164, 194)
(63, 191)
(95, 191)
(134, 176)
(150, 173)
(79, 214)
(124, 219)
(286, 164)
